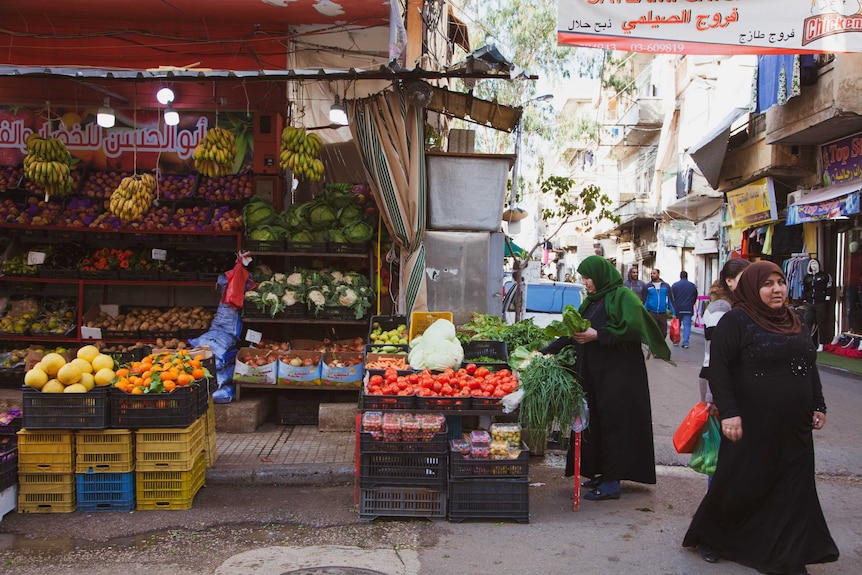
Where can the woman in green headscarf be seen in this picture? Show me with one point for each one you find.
(618, 444)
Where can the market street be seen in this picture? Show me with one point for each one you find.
(240, 529)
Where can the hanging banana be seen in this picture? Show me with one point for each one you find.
(216, 153)
(300, 152)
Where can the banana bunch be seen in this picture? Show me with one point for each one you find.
(300, 153)
(215, 155)
(133, 196)
(48, 163)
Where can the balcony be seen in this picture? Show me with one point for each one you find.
(639, 126)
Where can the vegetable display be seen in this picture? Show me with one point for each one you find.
(468, 381)
(573, 322)
(437, 348)
(523, 333)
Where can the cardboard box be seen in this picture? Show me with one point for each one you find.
(267, 373)
(350, 376)
(300, 374)
(34, 354)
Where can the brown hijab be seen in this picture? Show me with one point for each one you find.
(747, 295)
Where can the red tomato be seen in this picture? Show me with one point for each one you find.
(447, 390)
(437, 386)
(375, 380)
(482, 372)
(413, 379)
(470, 368)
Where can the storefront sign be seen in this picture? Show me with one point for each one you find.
(711, 28)
(842, 160)
(753, 204)
(842, 206)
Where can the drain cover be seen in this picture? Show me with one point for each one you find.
(333, 570)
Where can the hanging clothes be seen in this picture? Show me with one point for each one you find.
(776, 80)
(795, 269)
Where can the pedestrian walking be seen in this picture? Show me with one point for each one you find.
(659, 300)
(684, 298)
(763, 375)
(635, 284)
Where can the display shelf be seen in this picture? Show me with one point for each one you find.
(313, 254)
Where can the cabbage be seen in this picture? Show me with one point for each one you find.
(337, 237)
(258, 212)
(358, 232)
(302, 236)
(263, 234)
(320, 215)
(437, 348)
(320, 235)
(349, 214)
(294, 217)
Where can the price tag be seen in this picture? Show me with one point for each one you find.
(252, 336)
(35, 258)
(159, 254)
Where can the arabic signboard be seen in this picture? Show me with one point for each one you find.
(842, 160)
(842, 206)
(752, 204)
(712, 27)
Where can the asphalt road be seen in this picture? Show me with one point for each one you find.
(274, 530)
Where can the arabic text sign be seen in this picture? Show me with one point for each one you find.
(828, 210)
(712, 27)
(842, 160)
(752, 204)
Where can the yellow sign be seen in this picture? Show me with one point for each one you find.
(752, 204)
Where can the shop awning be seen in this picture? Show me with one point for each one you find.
(828, 203)
(709, 153)
(514, 251)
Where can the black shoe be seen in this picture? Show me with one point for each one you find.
(592, 483)
(708, 554)
(598, 495)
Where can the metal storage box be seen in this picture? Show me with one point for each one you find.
(466, 191)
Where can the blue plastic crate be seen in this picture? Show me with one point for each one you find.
(105, 491)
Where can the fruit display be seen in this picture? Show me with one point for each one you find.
(216, 153)
(33, 211)
(10, 177)
(161, 372)
(249, 358)
(176, 187)
(88, 369)
(226, 219)
(158, 320)
(133, 197)
(79, 212)
(296, 360)
(58, 320)
(157, 217)
(447, 383)
(13, 358)
(190, 217)
(229, 188)
(300, 153)
(100, 185)
(16, 265)
(48, 163)
(112, 348)
(36, 188)
(396, 336)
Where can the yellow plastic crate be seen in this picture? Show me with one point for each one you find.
(211, 448)
(169, 449)
(46, 451)
(169, 489)
(106, 451)
(46, 493)
(422, 320)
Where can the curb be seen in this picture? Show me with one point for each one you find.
(306, 474)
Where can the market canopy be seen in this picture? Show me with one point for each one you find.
(514, 250)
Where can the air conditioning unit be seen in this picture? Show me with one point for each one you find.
(643, 253)
(794, 197)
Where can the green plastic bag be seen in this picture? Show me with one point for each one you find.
(705, 454)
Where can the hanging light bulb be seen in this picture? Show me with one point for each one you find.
(172, 117)
(105, 116)
(165, 96)
(337, 113)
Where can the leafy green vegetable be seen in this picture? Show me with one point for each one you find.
(490, 327)
(358, 232)
(573, 322)
(257, 212)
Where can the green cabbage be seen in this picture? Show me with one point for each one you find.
(302, 236)
(336, 236)
(358, 232)
(320, 215)
(258, 212)
(350, 214)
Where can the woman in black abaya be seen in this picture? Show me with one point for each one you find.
(762, 509)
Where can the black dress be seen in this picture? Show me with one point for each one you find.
(762, 509)
(619, 441)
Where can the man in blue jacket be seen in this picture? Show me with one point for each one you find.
(659, 300)
(684, 295)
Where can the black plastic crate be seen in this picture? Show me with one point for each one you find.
(443, 403)
(11, 376)
(179, 408)
(386, 322)
(12, 422)
(134, 354)
(387, 401)
(99, 274)
(121, 334)
(305, 247)
(410, 469)
(486, 403)
(339, 313)
(251, 310)
(393, 501)
(290, 410)
(489, 499)
(139, 275)
(8, 463)
(175, 276)
(264, 245)
(295, 311)
(490, 349)
(57, 273)
(438, 444)
(208, 276)
(66, 410)
(347, 248)
(387, 349)
(461, 467)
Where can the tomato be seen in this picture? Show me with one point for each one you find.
(504, 373)
(437, 386)
(498, 393)
(470, 368)
(481, 372)
(465, 392)
(413, 379)
(376, 380)
(447, 390)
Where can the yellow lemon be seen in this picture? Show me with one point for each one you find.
(84, 365)
(88, 381)
(104, 376)
(35, 378)
(88, 353)
(39, 365)
(53, 386)
(69, 374)
(102, 361)
(52, 362)
(75, 388)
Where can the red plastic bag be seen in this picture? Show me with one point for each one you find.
(686, 435)
(237, 280)
(673, 330)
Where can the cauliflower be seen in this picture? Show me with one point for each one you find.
(346, 297)
(294, 279)
(279, 277)
(270, 299)
(316, 298)
(337, 277)
(252, 296)
(289, 298)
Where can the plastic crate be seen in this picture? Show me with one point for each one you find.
(46, 451)
(486, 404)
(489, 499)
(8, 465)
(14, 425)
(264, 245)
(305, 247)
(439, 444)
(211, 443)
(170, 449)
(169, 489)
(105, 491)
(443, 403)
(422, 320)
(46, 492)
(391, 501)
(290, 411)
(66, 410)
(461, 467)
(386, 322)
(178, 408)
(347, 248)
(106, 451)
(411, 469)
(487, 348)
(339, 313)
(387, 401)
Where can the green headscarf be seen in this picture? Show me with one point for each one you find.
(628, 320)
